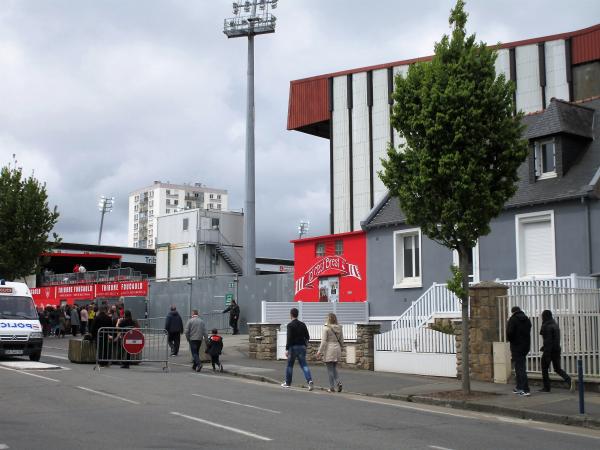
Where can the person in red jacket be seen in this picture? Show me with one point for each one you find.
(214, 347)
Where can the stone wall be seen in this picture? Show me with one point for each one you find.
(483, 330)
(263, 345)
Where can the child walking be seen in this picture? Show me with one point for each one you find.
(214, 347)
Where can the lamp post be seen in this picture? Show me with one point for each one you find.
(105, 205)
(303, 228)
(255, 19)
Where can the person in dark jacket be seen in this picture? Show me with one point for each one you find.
(102, 320)
(295, 347)
(125, 323)
(214, 347)
(234, 315)
(174, 327)
(518, 333)
(551, 350)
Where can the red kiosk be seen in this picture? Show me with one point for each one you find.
(331, 268)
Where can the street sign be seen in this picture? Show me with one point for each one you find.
(133, 342)
(228, 299)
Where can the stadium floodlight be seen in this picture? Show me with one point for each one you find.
(105, 205)
(250, 23)
(303, 228)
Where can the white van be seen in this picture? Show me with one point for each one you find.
(20, 329)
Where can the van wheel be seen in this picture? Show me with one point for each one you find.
(35, 356)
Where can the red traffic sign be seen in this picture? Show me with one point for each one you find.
(133, 342)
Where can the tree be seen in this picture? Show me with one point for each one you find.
(463, 148)
(25, 222)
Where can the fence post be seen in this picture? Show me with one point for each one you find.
(580, 381)
(263, 311)
(414, 328)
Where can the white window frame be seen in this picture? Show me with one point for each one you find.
(412, 282)
(475, 277)
(538, 159)
(538, 216)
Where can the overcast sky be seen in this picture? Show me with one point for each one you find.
(105, 96)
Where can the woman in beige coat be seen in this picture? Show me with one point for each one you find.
(330, 349)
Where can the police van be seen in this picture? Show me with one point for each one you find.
(20, 329)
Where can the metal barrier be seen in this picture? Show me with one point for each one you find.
(213, 319)
(111, 343)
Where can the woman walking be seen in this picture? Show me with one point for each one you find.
(332, 341)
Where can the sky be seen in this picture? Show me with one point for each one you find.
(106, 96)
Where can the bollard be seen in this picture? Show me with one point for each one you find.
(580, 381)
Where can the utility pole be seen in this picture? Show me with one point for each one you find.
(249, 24)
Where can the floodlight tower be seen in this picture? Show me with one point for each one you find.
(105, 205)
(303, 228)
(254, 20)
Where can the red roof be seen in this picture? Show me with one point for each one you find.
(308, 100)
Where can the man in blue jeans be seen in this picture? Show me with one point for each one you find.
(295, 347)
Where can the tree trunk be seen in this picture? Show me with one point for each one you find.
(463, 262)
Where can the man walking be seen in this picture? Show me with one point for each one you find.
(551, 350)
(295, 347)
(195, 331)
(234, 315)
(174, 328)
(518, 333)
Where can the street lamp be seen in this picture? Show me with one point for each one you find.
(303, 228)
(248, 22)
(105, 205)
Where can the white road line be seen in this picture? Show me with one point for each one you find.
(236, 403)
(108, 395)
(3, 446)
(433, 411)
(224, 427)
(31, 374)
(439, 448)
(553, 430)
(55, 356)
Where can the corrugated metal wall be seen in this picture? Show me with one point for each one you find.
(381, 129)
(556, 71)
(307, 103)
(529, 93)
(360, 149)
(586, 47)
(341, 160)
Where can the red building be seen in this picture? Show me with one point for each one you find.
(331, 268)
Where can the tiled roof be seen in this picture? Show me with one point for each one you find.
(561, 117)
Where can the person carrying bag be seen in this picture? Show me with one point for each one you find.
(332, 342)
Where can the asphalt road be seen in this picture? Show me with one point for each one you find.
(143, 407)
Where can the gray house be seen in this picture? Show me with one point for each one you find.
(550, 228)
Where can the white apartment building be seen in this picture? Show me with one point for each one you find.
(160, 199)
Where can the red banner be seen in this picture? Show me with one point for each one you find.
(52, 295)
(327, 264)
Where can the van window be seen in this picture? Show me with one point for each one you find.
(17, 307)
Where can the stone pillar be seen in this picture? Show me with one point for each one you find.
(262, 340)
(483, 330)
(365, 348)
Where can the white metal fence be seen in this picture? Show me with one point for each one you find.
(421, 340)
(315, 312)
(577, 312)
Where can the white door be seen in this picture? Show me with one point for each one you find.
(329, 289)
(537, 251)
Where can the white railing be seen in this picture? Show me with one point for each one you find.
(439, 299)
(315, 312)
(348, 332)
(577, 312)
(420, 340)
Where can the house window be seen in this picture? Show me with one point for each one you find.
(214, 223)
(545, 160)
(168, 191)
(176, 202)
(151, 213)
(535, 244)
(135, 217)
(218, 206)
(210, 206)
(135, 226)
(151, 203)
(320, 249)
(473, 263)
(339, 247)
(407, 258)
(218, 196)
(168, 211)
(151, 193)
(186, 222)
(137, 198)
(184, 260)
(135, 208)
(212, 196)
(188, 205)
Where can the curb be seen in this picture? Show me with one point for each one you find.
(525, 414)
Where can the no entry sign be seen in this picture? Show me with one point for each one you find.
(133, 342)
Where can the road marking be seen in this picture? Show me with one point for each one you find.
(553, 430)
(236, 403)
(30, 374)
(224, 427)
(3, 446)
(439, 448)
(108, 395)
(55, 356)
(433, 411)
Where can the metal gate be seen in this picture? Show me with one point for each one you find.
(110, 348)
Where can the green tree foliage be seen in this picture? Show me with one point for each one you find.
(463, 146)
(25, 222)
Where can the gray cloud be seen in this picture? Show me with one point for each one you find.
(105, 97)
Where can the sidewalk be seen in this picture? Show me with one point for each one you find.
(559, 406)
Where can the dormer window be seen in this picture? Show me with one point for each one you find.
(545, 159)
